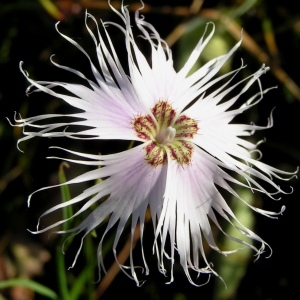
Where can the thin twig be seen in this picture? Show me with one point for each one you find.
(252, 47)
(115, 268)
(196, 6)
(10, 176)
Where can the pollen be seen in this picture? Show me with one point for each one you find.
(169, 134)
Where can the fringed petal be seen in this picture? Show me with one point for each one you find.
(190, 149)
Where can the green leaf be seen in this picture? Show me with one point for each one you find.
(36, 287)
(85, 281)
(65, 194)
(67, 213)
(61, 273)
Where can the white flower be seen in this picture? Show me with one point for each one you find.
(188, 145)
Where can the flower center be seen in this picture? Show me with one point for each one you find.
(168, 133)
(165, 136)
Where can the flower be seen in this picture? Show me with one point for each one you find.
(188, 147)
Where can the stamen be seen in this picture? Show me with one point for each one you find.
(168, 132)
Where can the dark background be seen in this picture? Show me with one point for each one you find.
(28, 34)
